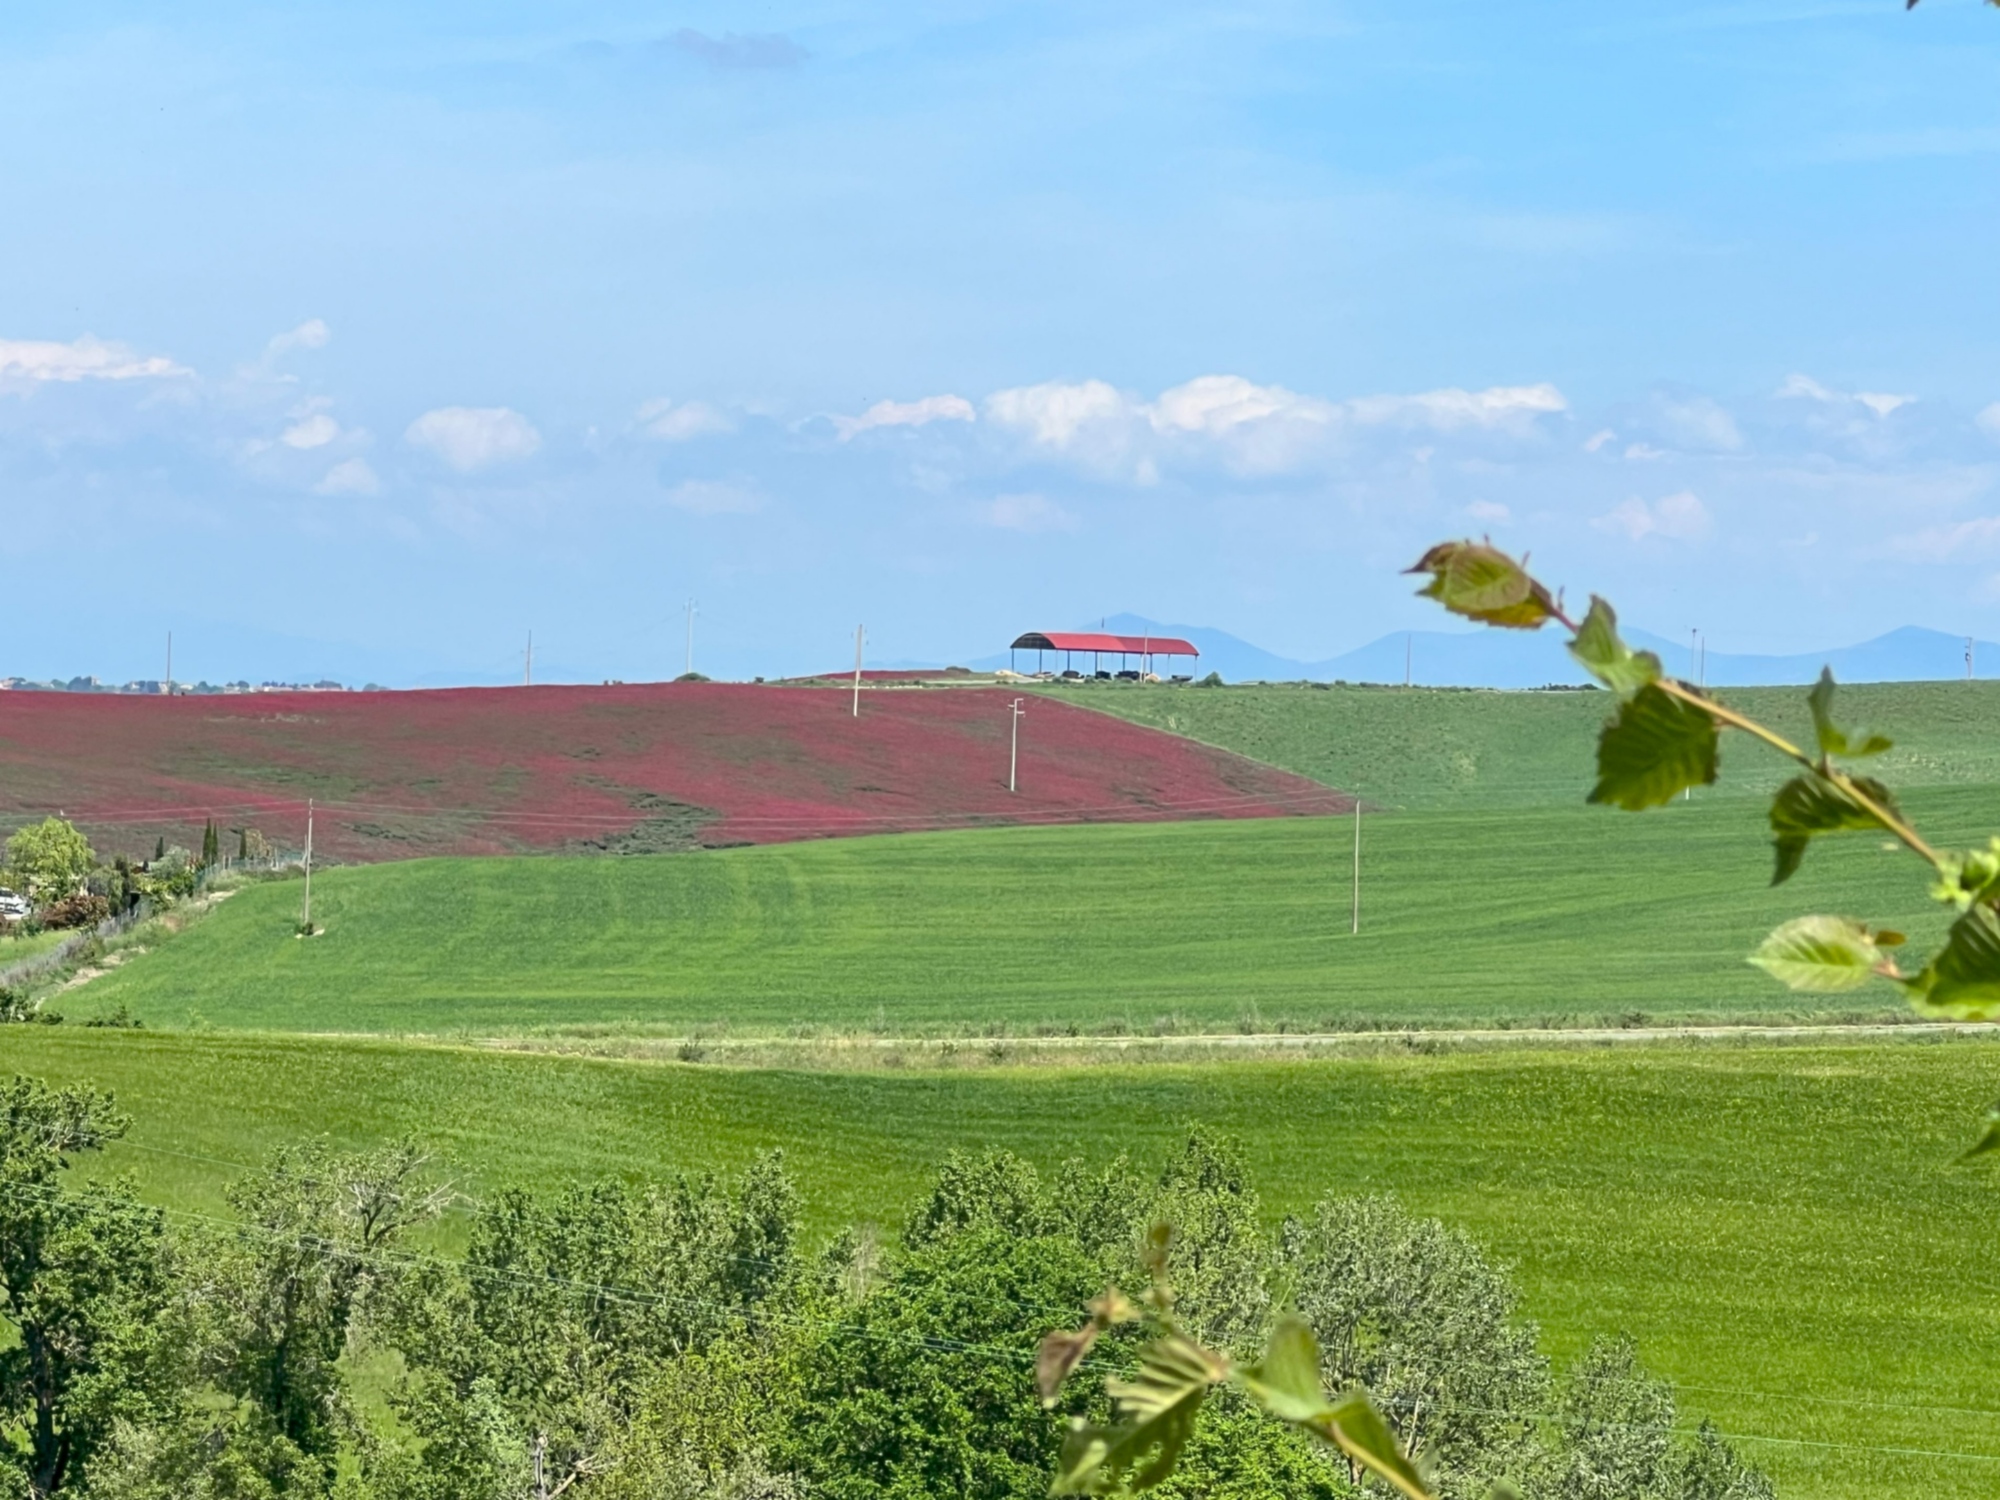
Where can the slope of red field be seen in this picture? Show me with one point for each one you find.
(675, 765)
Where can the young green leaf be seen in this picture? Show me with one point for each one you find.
(1063, 1350)
(1807, 806)
(1159, 1406)
(1286, 1379)
(1963, 980)
(1820, 955)
(1483, 583)
(1832, 739)
(1356, 1428)
(1654, 749)
(1605, 655)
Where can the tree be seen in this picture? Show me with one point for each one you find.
(82, 1281)
(50, 859)
(211, 846)
(314, 1226)
(1412, 1310)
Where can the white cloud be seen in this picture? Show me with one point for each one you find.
(1027, 513)
(1804, 387)
(1055, 414)
(1215, 404)
(919, 413)
(1451, 409)
(351, 476)
(1945, 543)
(474, 437)
(677, 423)
(1679, 517)
(1640, 453)
(714, 497)
(1599, 439)
(1989, 419)
(36, 362)
(311, 334)
(315, 431)
(1488, 510)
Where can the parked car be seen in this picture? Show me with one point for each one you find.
(12, 907)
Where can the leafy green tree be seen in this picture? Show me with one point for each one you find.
(82, 1284)
(1412, 1310)
(547, 1339)
(314, 1228)
(923, 1388)
(50, 859)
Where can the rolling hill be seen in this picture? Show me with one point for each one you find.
(581, 769)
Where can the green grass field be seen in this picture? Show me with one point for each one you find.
(1514, 915)
(1782, 1228)
(1440, 748)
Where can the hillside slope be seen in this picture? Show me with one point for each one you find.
(1460, 747)
(629, 768)
(1469, 918)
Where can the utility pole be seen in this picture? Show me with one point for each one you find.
(528, 669)
(858, 632)
(1356, 930)
(306, 924)
(167, 687)
(691, 607)
(1014, 748)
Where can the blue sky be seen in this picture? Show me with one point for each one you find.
(367, 338)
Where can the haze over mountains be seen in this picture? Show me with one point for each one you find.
(1529, 659)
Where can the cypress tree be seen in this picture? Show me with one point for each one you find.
(160, 849)
(211, 847)
(243, 843)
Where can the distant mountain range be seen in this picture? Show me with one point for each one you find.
(1527, 659)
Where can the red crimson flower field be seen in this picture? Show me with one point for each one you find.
(663, 766)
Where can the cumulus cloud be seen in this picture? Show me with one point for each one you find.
(351, 476)
(311, 334)
(315, 431)
(749, 50)
(1489, 511)
(1056, 414)
(1599, 438)
(1679, 517)
(1026, 513)
(1453, 409)
(673, 423)
(1217, 404)
(918, 413)
(37, 362)
(474, 437)
(714, 497)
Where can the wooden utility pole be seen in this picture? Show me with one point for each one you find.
(1014, 747)
(306, 922)
(858, 632)
(1356, 929)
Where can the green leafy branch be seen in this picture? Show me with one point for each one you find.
(1665, 737)
(1157, 1406)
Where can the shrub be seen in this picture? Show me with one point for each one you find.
(79, 910)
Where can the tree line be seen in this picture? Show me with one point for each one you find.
(679, 1336)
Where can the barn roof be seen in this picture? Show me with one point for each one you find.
(1090, 640)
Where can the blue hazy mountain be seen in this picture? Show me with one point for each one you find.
(1527, 659)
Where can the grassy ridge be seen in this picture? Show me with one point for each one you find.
(1439, 748)
(1469, 917)
(1785, 1222)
